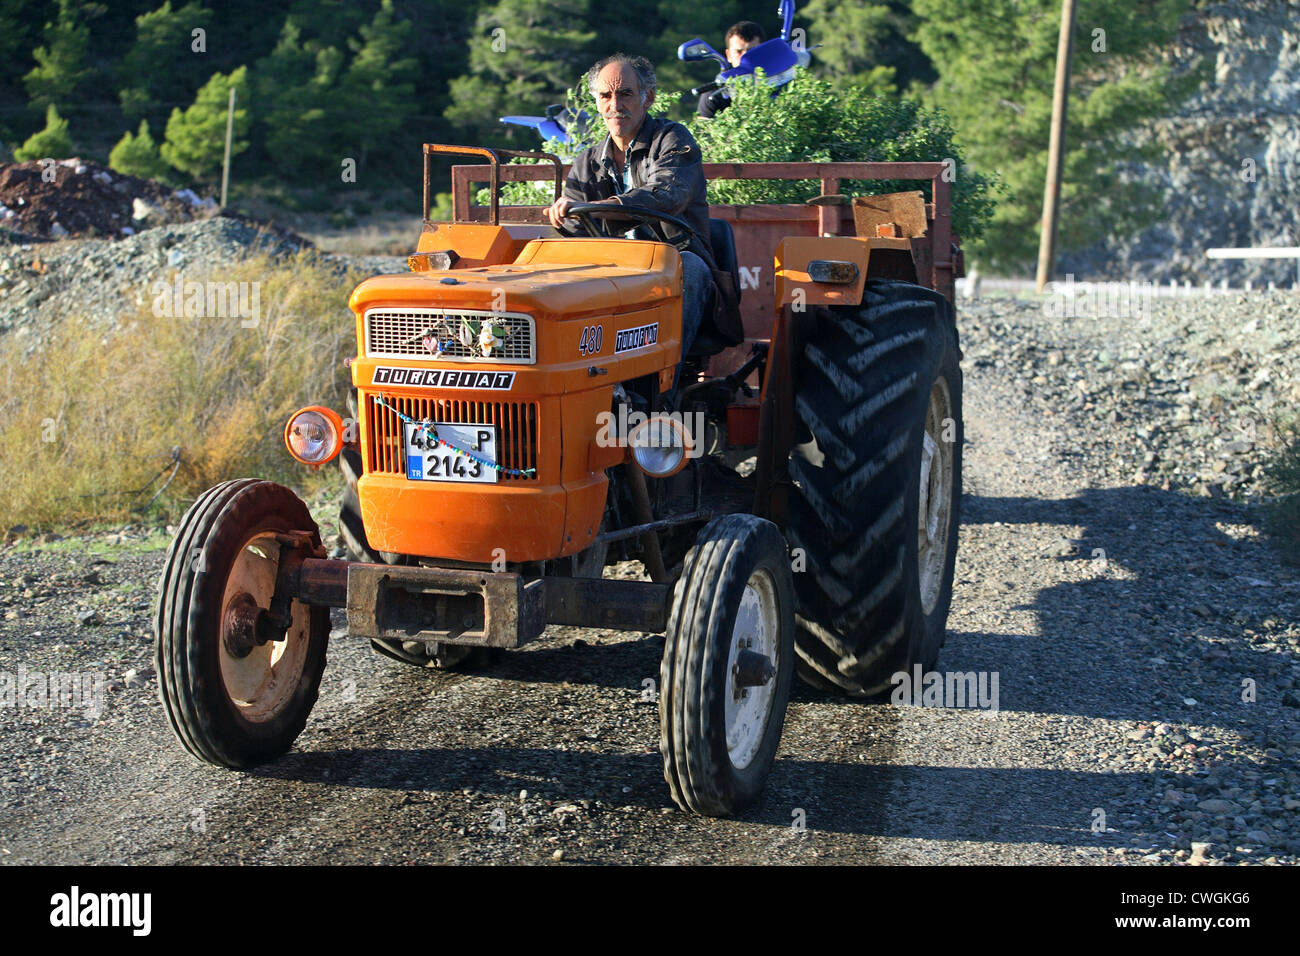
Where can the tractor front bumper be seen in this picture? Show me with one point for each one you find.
(477, 608)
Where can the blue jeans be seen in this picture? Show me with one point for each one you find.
(697, 281)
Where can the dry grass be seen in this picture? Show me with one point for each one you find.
(397, 238)
(90, 418)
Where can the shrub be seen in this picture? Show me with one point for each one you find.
(1283, 482)
(138, 155)
(53, 142)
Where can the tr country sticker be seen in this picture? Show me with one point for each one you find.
(442, 378)
(637, 338)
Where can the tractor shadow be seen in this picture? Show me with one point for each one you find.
(1156, 610)
(1163, 620)
(1004, 805)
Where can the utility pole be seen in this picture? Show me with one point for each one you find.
(1056, 149)
(225, 164)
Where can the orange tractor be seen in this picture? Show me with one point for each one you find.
(524, 417)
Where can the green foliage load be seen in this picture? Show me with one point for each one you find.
(809, 121)
(138, 155)
(53, 142)
(812, 121)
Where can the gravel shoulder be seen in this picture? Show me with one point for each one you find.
(1120, 617)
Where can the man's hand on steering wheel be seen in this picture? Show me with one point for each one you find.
(558, 211)
(587, 212)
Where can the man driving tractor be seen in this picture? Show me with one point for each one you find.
(645, 161)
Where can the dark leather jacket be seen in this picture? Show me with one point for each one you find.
(666, 172)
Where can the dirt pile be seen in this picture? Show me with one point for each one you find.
(78, 198)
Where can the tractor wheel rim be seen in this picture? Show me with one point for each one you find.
(749, 709)
(262, 683)
(936, 495)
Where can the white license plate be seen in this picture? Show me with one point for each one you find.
(440, 463)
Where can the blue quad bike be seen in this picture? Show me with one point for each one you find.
(560, 123)
(777, 58)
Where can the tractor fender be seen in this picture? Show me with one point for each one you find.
(796, 287)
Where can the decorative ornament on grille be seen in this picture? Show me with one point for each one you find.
(486, 337)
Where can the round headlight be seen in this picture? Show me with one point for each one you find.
(659, 445)
(314, 435)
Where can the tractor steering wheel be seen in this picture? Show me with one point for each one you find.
(587, 212)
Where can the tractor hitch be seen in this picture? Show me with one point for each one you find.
(469, 607)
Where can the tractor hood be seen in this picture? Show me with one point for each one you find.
(551, 279)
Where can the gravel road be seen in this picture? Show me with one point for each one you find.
(1126, 622)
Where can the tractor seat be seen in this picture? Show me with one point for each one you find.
(723, 242)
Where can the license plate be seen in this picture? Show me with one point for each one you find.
(440, 463)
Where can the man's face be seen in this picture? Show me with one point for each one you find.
(619, 99)
(736, 46)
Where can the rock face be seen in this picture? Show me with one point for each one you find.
(1229, 171)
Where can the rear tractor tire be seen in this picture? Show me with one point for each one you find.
(876, 506)
(229, 703)
(727, 667)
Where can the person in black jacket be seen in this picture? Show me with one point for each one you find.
(645, 161)
(740, 38)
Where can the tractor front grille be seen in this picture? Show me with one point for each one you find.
(401, 333)
(516, 424)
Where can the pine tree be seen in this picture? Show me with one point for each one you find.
(61, 59)
(523, 55)
(138, 155)
(864, 44)
(378, 83)
(18, 35)
(299, 106)
(656, 28)
(996, 61)
(195, 139)
(163, 59)
(53, 142)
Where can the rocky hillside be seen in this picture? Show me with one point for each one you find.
(1228, 167)
(84, 242)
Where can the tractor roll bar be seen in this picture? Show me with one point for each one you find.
(494, 157)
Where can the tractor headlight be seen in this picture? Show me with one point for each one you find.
(314, 435)
(660, 445)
